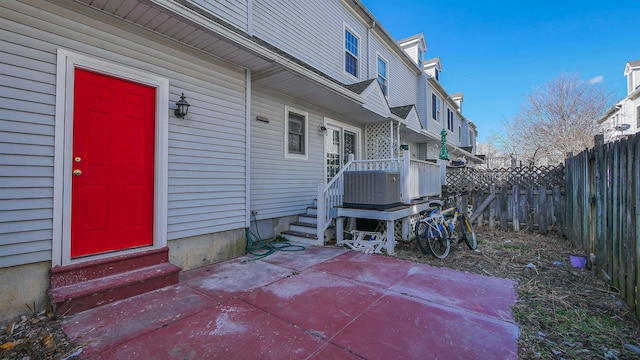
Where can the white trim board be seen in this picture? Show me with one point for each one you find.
(67, 61)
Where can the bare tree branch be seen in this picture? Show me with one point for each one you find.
(557, 118)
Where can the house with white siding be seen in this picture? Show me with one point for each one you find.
(101, 176)
(623, 119)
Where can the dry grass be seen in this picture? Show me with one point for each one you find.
(562, 311)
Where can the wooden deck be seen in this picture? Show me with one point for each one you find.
(403, 212)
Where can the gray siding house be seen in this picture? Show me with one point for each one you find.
(284, 97)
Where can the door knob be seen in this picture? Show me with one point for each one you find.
(77, 172)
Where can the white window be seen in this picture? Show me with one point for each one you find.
(437, 74)
(638, 117)
(295, 137)
(434, 113)
(420, 55)
(340, 141)
(436, 104)
(383, 77)
(449, 119)
(459, 134)
(351, 51)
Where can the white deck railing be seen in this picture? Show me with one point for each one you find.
(417, 179)
(424, 179)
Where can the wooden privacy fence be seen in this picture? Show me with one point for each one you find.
(518, 198)
(603, 203)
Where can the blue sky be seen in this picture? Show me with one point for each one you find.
(497, 51)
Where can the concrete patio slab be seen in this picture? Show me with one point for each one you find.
(230, 279)
(301, 260)
(234, 330)
(401, 327)
(110, 325)
(482, 294)
(321, 303)
(318, 302)
(379, 271)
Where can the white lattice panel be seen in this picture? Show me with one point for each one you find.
(397, 225)
(396, 141)
(379, 141)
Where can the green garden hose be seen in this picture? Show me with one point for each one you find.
(260, 249)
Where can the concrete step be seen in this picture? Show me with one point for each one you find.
(302, 238)
(303, 227)
(83, 286)
(71, 274)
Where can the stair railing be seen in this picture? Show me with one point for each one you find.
(332, 195)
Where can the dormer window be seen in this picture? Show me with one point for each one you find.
(420, 55)
(437, 73)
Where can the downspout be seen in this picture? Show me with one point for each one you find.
(373, 24)
(247, 150)
(391, 151)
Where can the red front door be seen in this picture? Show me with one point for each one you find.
(113, 168)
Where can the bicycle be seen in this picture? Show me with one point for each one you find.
(434, 233)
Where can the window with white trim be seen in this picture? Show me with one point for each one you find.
(638, 117)
(296, 125)
(433, 107)
(383, 78)
(351, 46)
(460, 134)
(436, 104)
(449, 119)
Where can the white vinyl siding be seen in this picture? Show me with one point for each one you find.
(281, 186)
(403, 81)
(207, 164)
(312, 31)
(233, 12)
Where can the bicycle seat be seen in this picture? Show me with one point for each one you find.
(435, 203)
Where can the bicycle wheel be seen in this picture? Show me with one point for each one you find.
(434, 237)
(421, 236)
(468, 233)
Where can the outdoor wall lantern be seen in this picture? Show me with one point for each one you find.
(182, 108)
(323, 129)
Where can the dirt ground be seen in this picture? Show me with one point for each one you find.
(563, 312)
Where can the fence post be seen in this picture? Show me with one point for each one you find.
(492, 211)
(516, 207)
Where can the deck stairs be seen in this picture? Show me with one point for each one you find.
(304, 231)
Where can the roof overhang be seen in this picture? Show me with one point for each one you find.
(270, 67)
(609, 113)
(630, 66)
